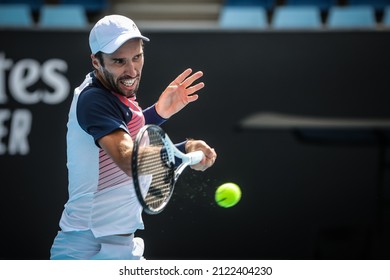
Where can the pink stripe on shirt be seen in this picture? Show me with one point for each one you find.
(109, 173)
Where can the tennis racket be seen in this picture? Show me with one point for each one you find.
(156, 165)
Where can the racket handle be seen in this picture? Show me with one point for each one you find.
(195, 157)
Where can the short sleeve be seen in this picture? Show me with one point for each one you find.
(99, 113)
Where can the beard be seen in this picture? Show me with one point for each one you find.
(113, 84)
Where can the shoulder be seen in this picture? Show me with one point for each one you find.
(94, 96)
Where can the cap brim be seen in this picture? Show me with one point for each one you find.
(119, 41)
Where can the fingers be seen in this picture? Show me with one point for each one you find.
(191, 79)
(192, 98)
(183, 76)
(208, 160)
(205, 164)
(211, 156)
(195, 88)
(185, 80)
(210, 153)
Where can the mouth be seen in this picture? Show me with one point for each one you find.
(128, 83)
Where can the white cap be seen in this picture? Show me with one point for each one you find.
(110, 32)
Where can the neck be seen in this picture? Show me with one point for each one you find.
(101, 79)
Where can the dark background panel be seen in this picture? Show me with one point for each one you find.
(300, 200)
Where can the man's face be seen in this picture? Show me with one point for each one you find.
(122, 69)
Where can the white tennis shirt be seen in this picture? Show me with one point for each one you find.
(101, 196)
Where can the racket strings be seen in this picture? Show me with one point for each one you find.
(149, 162)
(154, 161)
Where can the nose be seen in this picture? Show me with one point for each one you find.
(131, 69)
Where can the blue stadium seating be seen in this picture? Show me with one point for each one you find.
(386, 17)
(63, 16)
(243, 17)
(301, 17)
(16, 15)
(351, 17)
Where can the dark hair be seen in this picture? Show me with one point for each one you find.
(99, 56)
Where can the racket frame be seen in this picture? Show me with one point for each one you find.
(173, 153)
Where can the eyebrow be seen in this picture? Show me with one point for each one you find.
(112, 57)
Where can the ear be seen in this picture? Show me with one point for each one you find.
(95, 62)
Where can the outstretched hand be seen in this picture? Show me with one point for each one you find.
(179, 93)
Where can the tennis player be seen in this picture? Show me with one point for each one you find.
(102, 213)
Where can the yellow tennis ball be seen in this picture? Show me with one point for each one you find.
(228, 195)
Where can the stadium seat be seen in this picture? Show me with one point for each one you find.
(323, 5)
(286, 17)
(265, 4)
(243, 17)
(351, 17)
(63, 16)
(386, 17)
(16, 15)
